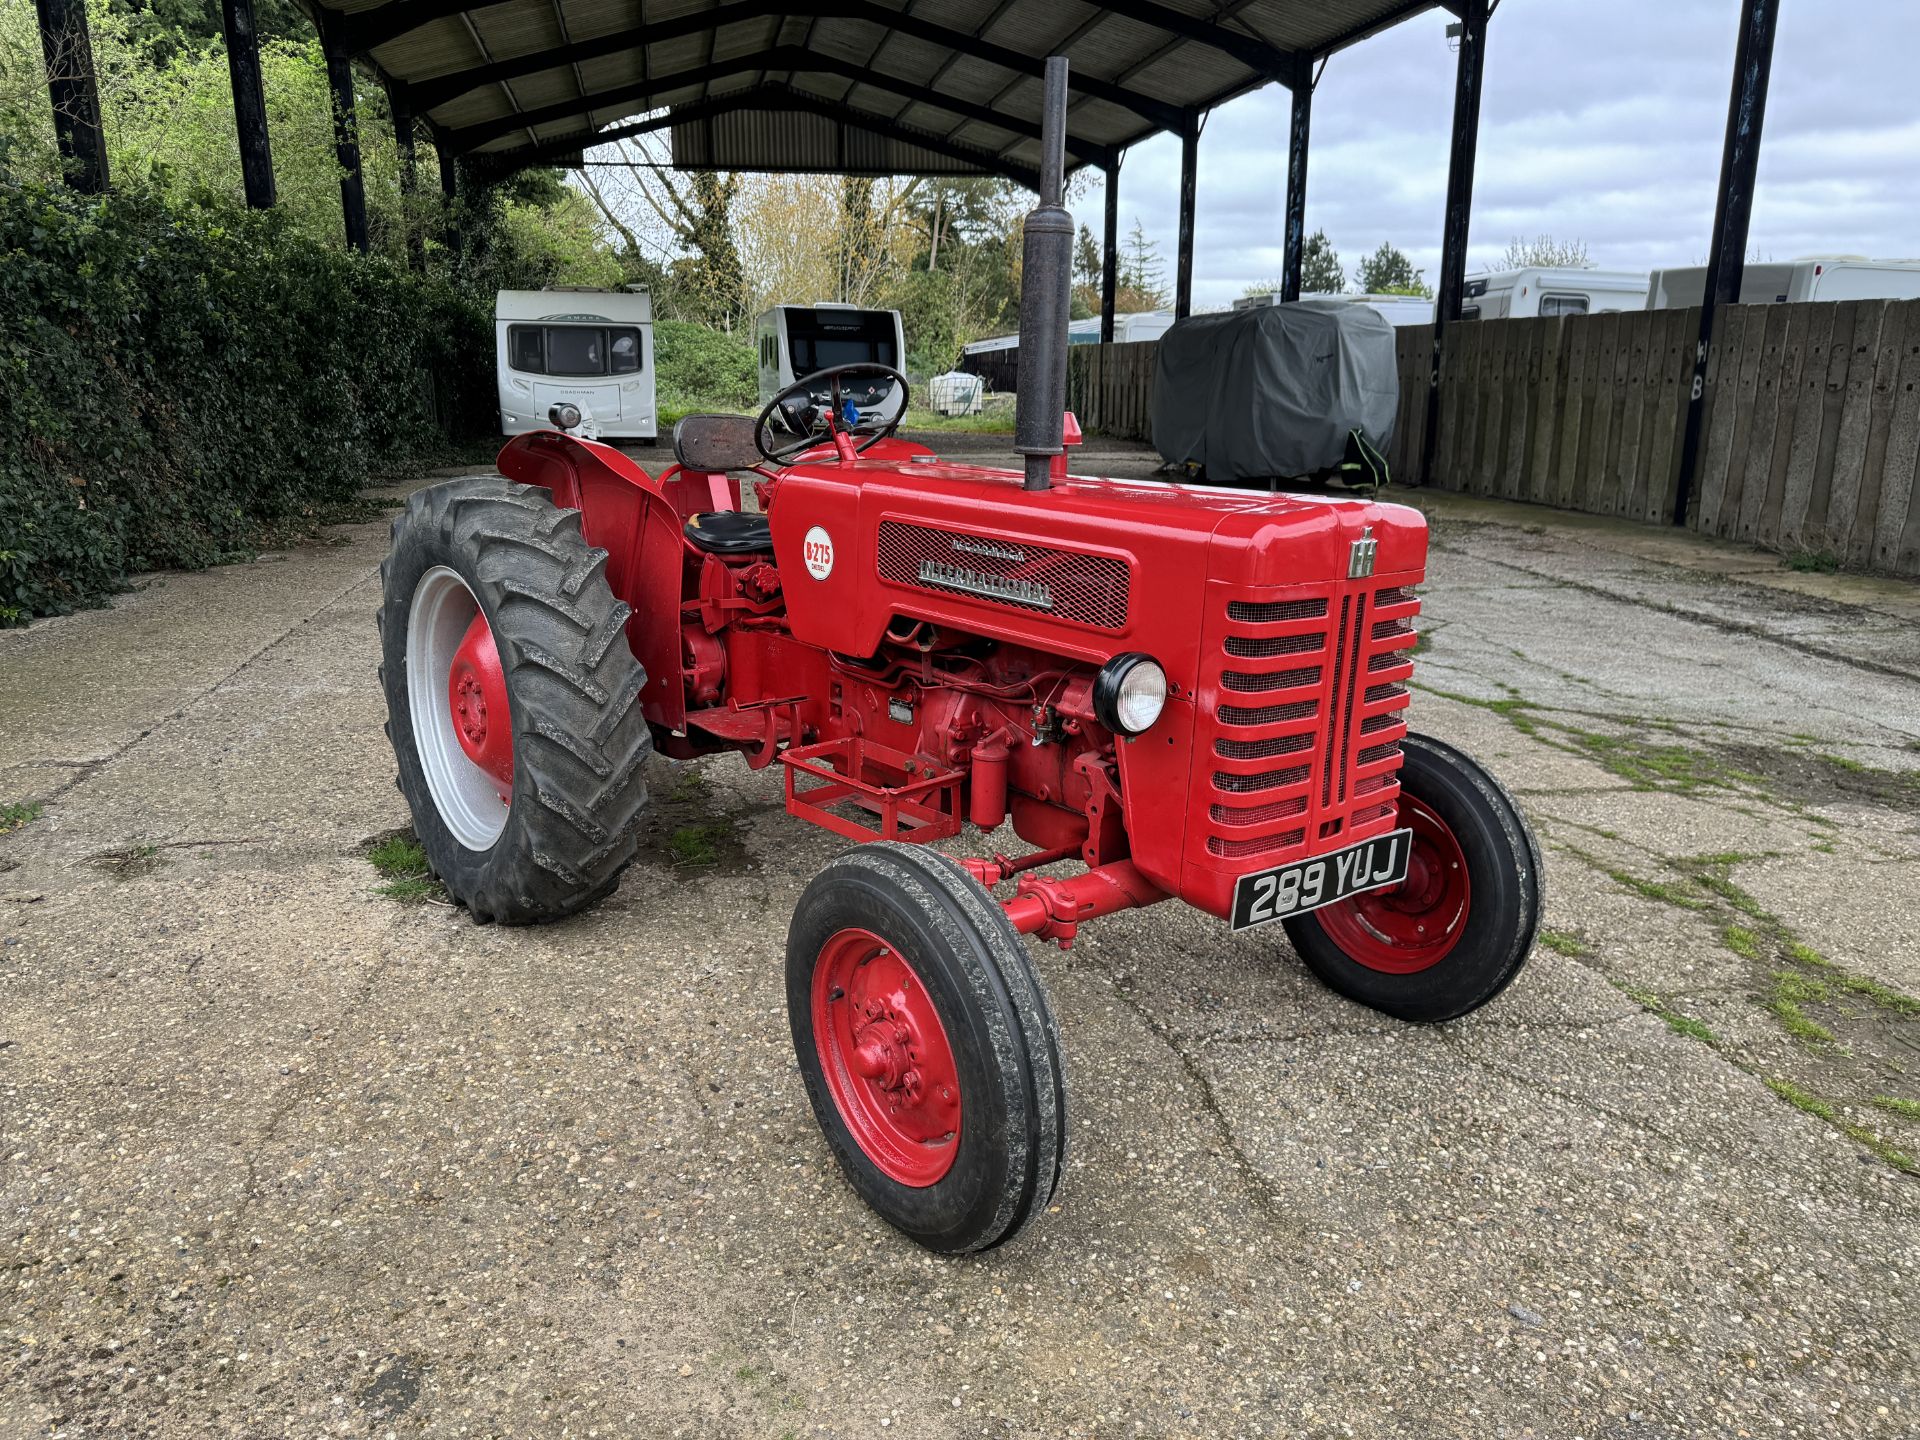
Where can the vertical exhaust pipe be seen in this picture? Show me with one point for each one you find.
(1046, 280)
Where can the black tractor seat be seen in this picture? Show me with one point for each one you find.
(731, 532)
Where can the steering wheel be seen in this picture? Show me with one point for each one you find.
(802, 419)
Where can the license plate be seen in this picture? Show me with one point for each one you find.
(1270, 895)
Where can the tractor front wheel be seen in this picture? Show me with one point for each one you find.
(512, 700)
(1455, 932)
(927, 1046)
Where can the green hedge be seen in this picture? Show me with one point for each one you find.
(699, 367)
(176, 379)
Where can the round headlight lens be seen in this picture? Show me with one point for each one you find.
(1130, 692)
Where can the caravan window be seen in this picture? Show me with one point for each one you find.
(820, 339)
(1563, 304)
(573, 349)
(623, 348)
(526, 349)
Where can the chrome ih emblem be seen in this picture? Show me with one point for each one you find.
(1360, 557)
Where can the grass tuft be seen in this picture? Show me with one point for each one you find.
(1675, 1021)
(1561, 943)
(12, 817)
(1742, 942)
(1813, 562)
(403, 861)
(1895, 1105)
(698, 846)
(398, 856)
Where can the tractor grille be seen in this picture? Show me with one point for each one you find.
(1308, 697)
(1090, 589)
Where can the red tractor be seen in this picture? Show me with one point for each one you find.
(1168, 691)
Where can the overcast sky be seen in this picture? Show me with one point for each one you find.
(1601, 120)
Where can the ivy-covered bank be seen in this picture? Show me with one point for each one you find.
(177, 379)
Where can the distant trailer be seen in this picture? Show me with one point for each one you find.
(1818, 277)
(796, 340)
(1513, 294)
(997, 359)
(1399, 309)
(585, 347)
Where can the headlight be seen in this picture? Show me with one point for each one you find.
(1129, 693)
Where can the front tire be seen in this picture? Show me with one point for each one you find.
(927, 1046)
(512, 700)
(1457, 930)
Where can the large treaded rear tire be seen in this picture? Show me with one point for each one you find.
(580, 742)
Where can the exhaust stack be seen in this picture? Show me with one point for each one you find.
(1046, 280)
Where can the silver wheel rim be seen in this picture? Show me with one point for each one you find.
(465, 796)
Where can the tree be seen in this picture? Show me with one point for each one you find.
(1320, 272)
(1087, 274)
(1389, 272)
(1545, 252)
(1143, 274)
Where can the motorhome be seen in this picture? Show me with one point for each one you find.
(1399, 309)
(1512, 294)
(796, 340)
(585, 347)
(1818, 277)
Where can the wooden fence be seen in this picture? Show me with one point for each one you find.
(1585, 412)
(1812, 433)
(1811, 438)
(1109, 388)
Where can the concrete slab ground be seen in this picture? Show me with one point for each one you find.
(280, 1155)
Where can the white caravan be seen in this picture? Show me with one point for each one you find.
(796, 340)
(590, 348)
(1818, 277)
(1511, 294)
(1399, 309)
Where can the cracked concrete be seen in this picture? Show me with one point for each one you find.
(280, 1156)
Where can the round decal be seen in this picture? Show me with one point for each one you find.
(818, 551)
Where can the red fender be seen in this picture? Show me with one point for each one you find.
(638, 521)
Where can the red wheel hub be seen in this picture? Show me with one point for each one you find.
(1411, 926)
(477, 693)
(886, 1058)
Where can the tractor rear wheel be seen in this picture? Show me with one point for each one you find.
(512, 700)
(927, 1045)
(1455, 932)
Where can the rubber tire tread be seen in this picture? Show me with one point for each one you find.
(580, 742)
(1503, 865)
(965, 933)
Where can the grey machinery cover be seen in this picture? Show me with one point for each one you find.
(1251, 395)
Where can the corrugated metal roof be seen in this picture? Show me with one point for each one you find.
(864, 86)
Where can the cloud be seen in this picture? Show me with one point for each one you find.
(1602, 123)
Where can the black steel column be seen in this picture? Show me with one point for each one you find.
(1296, 228)
(1453, 241)
(1183, 261)
(1110, 256)
(346, 145)
(401, 107)
(1732, 210)
(249, 101)
(67, 46)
